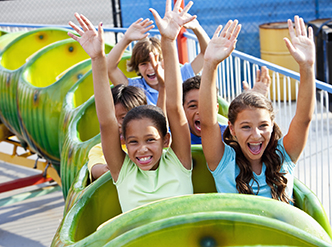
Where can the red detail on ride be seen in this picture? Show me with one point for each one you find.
(23, 182)
(182, 44)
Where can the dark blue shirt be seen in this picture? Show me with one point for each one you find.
(198, 140)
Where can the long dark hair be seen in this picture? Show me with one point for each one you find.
(272, 156)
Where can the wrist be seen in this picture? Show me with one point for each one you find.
(126, 40)
(98, 57)
(211, 63)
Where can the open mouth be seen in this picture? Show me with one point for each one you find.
(152, 76)
(255, 148)
(197, 125)
(144, 160)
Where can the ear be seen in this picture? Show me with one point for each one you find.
(231, 128)
(167, 138)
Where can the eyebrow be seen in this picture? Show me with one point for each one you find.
(191, 101)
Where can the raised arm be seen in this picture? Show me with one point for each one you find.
(220, 47)
(93, 43)
(169, 28)
(302, 48)
(137, 31)
(203, 41)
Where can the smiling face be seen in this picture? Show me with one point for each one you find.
(252, 129)
(146, 70)
(190, 107)
(144, 143)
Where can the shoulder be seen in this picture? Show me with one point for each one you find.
(169, 159)
(128, 167)
(187, 71)
(288, 164)
(229, 158)
(137, 82)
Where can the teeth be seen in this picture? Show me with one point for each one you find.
(144, 159)
(255, 144)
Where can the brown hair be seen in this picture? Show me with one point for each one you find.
(272, 157)
(141, 52)
(128, 96)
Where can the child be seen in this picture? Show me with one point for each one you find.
(191, 101)
(148, 172)
(125, 98)
(255, 159)
(140, 61)
(97, 165)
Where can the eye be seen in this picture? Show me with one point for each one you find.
(245, 127)
(264, 126)
(192, 106)
(151, 140)
(132, 142)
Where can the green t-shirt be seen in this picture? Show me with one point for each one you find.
(137, 187)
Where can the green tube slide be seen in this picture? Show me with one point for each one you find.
(47, 101)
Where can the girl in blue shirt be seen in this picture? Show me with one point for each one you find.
(255, 159)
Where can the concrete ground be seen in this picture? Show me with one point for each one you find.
(29, 216)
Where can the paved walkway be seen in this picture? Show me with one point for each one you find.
(33, 221)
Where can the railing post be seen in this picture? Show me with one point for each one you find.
(182, 43)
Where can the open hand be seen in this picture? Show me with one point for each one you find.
(263, 82)
(223, 42)
(91, 40)
(139, 29)
(170, 26)
(301, 46)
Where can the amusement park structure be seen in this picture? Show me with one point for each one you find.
(47, 108)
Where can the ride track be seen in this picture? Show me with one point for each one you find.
(46, 101)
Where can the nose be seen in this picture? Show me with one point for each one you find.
(142, 149)
(150, 66)
(256, 133)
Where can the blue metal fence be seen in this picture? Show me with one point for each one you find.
(250, 14)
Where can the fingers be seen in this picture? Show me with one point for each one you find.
(291, 28)
(289, 45)
(245, 85)
(225, 29)
(101, 30)
(146, 22)
(300, 28)
(187, 7)
(81, 22)
(156, 16)
(76, 28)
(177, 5)
(138, 21)
(153, 59)
(168, 6)
(264, 76)
(73, 36)
(258, 75)
(311, 33)
(231, 30)
(303, 28)
(87, 23)
(216, 33)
